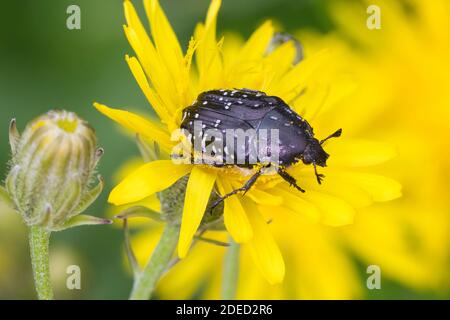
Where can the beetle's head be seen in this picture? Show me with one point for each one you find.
(314, 152)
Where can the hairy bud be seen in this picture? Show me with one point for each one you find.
(52, 167)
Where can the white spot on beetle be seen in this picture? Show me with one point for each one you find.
(273, 118)
(205, 102)
(196, 116)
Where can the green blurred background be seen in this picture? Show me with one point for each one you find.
(43, 66)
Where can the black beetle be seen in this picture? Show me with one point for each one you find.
(249, 109)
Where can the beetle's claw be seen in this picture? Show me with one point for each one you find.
(320, 177)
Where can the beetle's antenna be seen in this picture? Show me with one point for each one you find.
(334, 135)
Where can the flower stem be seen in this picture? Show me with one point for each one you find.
(230, 271)
(146, 281)
(39, 250)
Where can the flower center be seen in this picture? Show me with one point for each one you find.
(69, 125)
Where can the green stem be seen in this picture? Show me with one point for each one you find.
(146, 281)
(230, 271)
(39, 250)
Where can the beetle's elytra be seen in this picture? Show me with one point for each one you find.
(248, 109)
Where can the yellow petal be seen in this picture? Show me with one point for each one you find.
(198, 191)
(335, 211)
(351, 193)
(293, 200)
(148, 179)
(263, 197)
(263, 248)
(165, 38)
(277, 63)
(292, 84)
(358, 152)
(149, 92)
(208, 55)
(137, 124)
(235, 218)
(169, 49)
(246, 70)
(257, 44)
(149, 57)
(379, 187)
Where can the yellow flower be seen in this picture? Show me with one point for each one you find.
(405, 67)
(170, 81)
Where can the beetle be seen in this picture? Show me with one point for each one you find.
(245, 109)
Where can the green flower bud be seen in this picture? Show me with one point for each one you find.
(52, 168)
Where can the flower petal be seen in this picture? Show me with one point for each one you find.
(335, 211)
(149, 92)
(235, 218)
(208, 55)
(381, 188)
(138, 124)
(349, 192)
(263, 248)
(246, 71)
(293, 200)
(198, 191)
(294, 81)
(148, 179)
(257, 44)
(151, 61)
(263, 197)
(358, 152)
(168, 47)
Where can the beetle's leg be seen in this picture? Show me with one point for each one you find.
(290, 179)
(319, 176)
(250, 182)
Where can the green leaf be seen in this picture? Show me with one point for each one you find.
(14, 136)
(90, 196)
(129, 249)
(82, 220)
(139, 212)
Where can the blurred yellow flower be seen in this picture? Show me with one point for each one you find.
(405, 72)
(408, 239)
(165, 76)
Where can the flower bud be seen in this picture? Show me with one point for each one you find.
(52, 169)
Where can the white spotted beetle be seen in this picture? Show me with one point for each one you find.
(249, 109)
